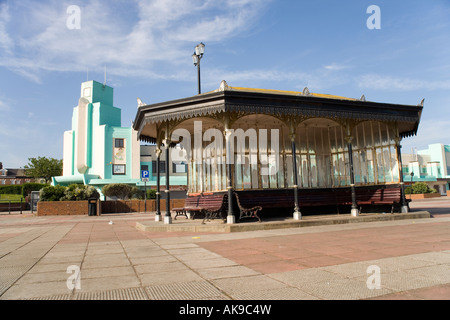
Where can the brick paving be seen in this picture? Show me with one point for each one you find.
(117, 261)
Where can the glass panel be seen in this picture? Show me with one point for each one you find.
(289, 171)
(280, 172)
(313, 170)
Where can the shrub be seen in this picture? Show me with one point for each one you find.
(11, 189)
(151, 194)
(119, 190)
(28, 187)
(136, 193)
(76, 192)
(52, 193)
(421, 187)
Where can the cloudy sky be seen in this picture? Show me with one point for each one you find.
(146, 48)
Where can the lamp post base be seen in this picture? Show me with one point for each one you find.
(158, 217)
(297, 215)
(354, 212)
(405, 209)
(231, 219)
(167, 220)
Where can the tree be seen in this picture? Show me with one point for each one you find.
(43, 167)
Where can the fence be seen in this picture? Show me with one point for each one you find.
(12, 205)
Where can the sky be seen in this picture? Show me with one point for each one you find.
(399, 53)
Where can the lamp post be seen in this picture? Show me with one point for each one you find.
(196, 57)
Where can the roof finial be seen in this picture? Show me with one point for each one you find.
(363, 98)
(421, 102)
(223, 86)
(306, 91)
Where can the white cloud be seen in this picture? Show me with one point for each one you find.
(375, 81)
(159, 33)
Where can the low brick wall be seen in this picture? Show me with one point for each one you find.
(50, 208)
(15, 206)
(422, 196)
(56, 208)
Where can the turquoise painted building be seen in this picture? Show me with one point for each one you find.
(99, 151)
(430, 165)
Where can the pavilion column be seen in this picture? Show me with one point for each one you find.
(158, 187)
(354, 210)
(297, 213)
(167, 217)
(404, 204)
(230, 216)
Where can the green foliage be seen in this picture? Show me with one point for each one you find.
(136, 193)
(28, 187)
(422, 187)
(119, 190)
(11, 189)
(52, 193)
(151, 194)
(408, 190)
(77, 192)
(43, 167)
(74, 192)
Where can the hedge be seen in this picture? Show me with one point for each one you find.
(23, 190)
(74, 192)
(11, 189)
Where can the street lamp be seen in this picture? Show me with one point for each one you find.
(196, 57)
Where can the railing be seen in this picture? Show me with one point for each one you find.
(12, 204)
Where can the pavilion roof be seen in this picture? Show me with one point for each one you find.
(277, 103)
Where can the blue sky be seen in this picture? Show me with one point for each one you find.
(146, 47)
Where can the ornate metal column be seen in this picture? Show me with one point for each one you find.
(405, 207)
(354, 210)
(158, 187)
(167, 217)
(230, 217)
(297, 213)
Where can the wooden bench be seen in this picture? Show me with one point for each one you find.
(208, 204)
(247, 212)
(372, 197)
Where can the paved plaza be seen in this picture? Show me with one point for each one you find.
(109, 258)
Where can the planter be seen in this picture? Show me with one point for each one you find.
(422, 196)
(64, 208)
(53, 208)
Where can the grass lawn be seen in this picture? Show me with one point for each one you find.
(12, 197)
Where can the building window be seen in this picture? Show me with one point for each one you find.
(118, 143)
(119, 169)
(162, 167)
(3, 181)
(179, 168)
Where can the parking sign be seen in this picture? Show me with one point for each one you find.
(145, 175)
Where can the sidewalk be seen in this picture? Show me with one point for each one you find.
(40, 258)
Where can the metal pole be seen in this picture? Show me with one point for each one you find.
(355, 211)
(167, 218)
(405, 208)
(230, 217)
(198, 76)
(297, 213)
(158, 187)
(145, 196)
